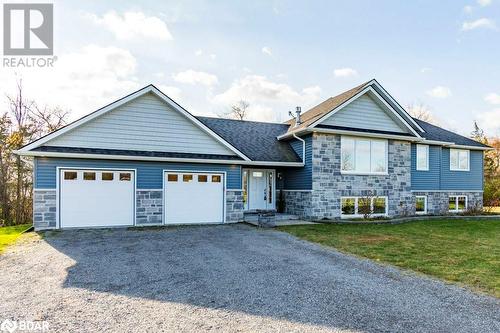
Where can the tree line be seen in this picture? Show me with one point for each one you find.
(21, 122)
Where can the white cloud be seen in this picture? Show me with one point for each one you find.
(213, 56)
(172, 92)
(468, 9)
(492, 98)
(484, 3)
(198, 52)
(425, 70)
(81, 81)
(194, 77)
(482, 23)
(490, 120)
(133, 25)
(345, 72)
(267, 50)
(269, 100)
(439, 92)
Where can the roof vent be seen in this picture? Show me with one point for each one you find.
(297, 116)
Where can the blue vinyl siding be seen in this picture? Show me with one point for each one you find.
(300, 178)
(426, 180)
(440, 177)
(462, 180)
(149, 174)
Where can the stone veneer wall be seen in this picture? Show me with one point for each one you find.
(437, 202)
(148, 207)
(44, 209)
(298, 203)
(329, 185)
(234, 206)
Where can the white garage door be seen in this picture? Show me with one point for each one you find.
(96, 198)
(194, 197)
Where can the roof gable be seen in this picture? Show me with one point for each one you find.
(146, 120)
(323, 110)
(366, 112)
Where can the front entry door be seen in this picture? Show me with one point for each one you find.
(260, 189)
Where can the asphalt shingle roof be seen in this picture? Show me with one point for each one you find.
(436, 133)
(257, 140)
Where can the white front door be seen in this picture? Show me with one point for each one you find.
(96, 198)
(194, 197)
(260, 189)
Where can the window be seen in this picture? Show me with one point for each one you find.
(245, 186)
(457, 203)
(422, 157)
(187, 178)
(366, 156)
(257, 174)
(70, 175)
(202, 178)
(125, 176)
(89, 175)
(172, 177)
(459, 160)
(107, 176)
(358, 206)
(216, 179)
(348, 206)
(421, 204)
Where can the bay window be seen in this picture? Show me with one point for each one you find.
(459, 160)
(363, 155)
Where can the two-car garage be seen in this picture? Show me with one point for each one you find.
(106, 198)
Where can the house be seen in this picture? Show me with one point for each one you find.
(144, 160)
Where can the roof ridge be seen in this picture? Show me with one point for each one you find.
(242, 120)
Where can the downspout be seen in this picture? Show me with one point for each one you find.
(303, 147)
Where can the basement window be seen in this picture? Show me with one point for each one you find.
(421, 204)
(352, 207)
(457, 203)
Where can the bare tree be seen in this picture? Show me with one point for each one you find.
(23, 122)
(238, 111)
(420, 111)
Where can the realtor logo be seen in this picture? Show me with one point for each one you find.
(28, 29)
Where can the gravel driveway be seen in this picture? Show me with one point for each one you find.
(222, 278)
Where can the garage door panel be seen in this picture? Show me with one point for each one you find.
(95, 198)
(194, 198)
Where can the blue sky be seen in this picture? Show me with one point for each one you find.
(275, 54)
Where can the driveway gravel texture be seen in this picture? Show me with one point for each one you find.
(228, 278)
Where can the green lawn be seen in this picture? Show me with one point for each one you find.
(461, 251)
(8, 235)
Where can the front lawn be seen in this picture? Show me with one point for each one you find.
(461, 251)
(8, 235)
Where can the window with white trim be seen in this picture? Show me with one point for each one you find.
(457, 203)
(357, 206)
(422, 157)
(421, 204)
(459, 160)
(363, 155)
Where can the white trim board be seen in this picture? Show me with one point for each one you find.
(148, 89)
(160, 159)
